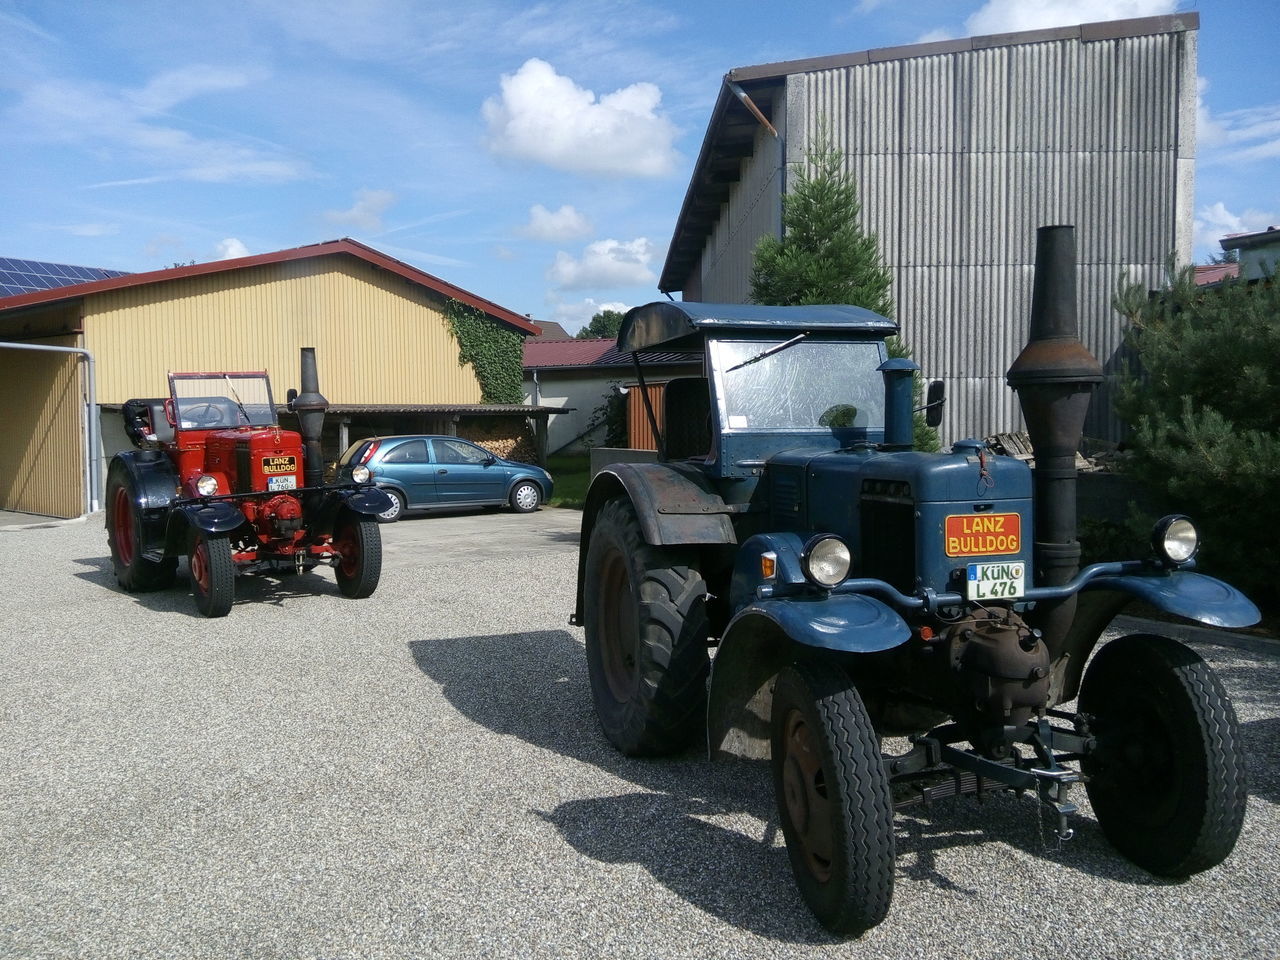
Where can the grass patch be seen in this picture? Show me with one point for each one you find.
(572, 474)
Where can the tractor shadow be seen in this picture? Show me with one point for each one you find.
(273, 588)
(709, 832)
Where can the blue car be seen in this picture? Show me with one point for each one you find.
(440, 473)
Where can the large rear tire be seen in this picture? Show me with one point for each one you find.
(646, 636)
(1167, 781)
(358, 544)
(213, 573)
(134, 572)
(833, 797)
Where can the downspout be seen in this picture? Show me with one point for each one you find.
(93, 439)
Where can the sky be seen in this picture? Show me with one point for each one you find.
(536, 154)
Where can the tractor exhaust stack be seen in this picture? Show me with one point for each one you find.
(310, 407)
(1054, 377)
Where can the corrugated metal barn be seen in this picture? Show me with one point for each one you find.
(960, 149)
(388, 361)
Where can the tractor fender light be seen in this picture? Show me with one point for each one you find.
(207, 486)
(360, 474)
(826, 559)
(1175, 540)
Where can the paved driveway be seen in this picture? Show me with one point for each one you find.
(420, 774)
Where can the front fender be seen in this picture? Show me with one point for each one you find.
(1187, 594)
(218, 516)
(369, 501)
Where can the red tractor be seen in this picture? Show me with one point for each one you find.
(215, 478)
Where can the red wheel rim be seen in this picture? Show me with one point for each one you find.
(200, 566)
(122, 526)
(348, 550)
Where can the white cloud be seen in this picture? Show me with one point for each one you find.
(1237, 136)
(605, 263)
(90, 229)
(366, 213)
(231, 249)
(1010, 16)
(1215, 221)
(563, 225)
(545, 117)
(576, 315)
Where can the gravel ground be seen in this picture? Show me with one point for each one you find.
(420, 774)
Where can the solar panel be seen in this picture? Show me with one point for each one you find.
(28, 276)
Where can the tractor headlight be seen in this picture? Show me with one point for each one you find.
(360, 474)
(1175, 539)
(207, 486)
(826, 560)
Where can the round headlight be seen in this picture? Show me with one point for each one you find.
(207, 486)
(1175, 539)
(360, 474)
(826, 560)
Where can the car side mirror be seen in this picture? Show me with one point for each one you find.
(934, 400)
(490, 460)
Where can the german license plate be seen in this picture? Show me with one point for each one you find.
(282, 483)
(997, 581)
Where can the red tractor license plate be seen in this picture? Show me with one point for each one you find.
(983, 534)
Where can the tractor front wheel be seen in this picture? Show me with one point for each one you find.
(1167, 779)
(358, 545)
(134, 573)
(213, 573)
(833, 797)
(646, 636)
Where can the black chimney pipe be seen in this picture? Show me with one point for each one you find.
(310, 407)
(1054, 377)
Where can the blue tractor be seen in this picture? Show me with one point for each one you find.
(793, 580)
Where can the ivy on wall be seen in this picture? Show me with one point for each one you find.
(495, 352)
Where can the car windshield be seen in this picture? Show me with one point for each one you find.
(809, 385)
(209, 401)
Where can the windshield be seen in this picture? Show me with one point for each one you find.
(210, 401)
(811, 384)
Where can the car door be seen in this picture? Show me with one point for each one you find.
(467, 474)
(409, 464)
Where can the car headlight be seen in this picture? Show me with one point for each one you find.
(1175, 539)
(826, 560)
(360, 474)
(207, 486)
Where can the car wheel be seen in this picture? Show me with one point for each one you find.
(213, 573)
(525, 497)
(396, 510)
(1167, 780)
(834, 802)
(646, 636)
(134, 573)
(358, 545)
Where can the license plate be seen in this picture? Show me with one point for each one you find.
(282, 483)
(997, 581)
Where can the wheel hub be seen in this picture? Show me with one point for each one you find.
(805, 794)
(619, 634)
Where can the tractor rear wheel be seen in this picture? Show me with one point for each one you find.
(646, 636)
(358, 545)
(134, 573)
(1167, 780)
(833, 797)
(213, 573)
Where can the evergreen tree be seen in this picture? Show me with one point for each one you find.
(1203, 402)
(824, 256)
(606, 323)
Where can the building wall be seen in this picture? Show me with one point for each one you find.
(42, 456)
(378, 337)
(579, 394)
(959, 157)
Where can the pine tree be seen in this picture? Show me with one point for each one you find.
(824, 256)
(1203, 402)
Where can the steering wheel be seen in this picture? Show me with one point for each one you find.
(203, 415)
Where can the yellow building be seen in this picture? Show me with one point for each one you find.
(387, 358)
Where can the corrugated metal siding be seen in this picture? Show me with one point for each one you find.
(42, 456)
(960, 157)
(639, 432)
(378, 337)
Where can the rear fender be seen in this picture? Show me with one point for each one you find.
(765, 637)
(674, 503)
(155, 483)
(1180, 592)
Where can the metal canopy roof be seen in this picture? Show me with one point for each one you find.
(667, 323)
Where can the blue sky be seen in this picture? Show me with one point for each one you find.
(535, 154)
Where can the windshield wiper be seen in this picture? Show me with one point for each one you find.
(236, 397)
(768, 353)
